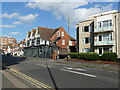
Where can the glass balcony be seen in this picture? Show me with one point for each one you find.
(102, 29)
(103, 43)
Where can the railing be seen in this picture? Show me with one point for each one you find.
(103, 29)
(103, 43)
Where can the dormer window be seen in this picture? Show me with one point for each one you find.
(28, 35)
(38, 32)
(33, 34)
(58, 33)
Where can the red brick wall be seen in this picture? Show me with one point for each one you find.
(65, 37)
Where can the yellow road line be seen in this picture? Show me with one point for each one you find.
(29, 78)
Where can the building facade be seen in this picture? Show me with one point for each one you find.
(38, 44)
(85, 36)
(62, 40)
(106, 33)
(41, 42)
(8, 44)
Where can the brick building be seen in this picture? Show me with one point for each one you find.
(8, 44)
(61, 39)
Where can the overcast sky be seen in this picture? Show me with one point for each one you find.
(20, 17)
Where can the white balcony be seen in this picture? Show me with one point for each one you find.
(103, 43)
(102, 29)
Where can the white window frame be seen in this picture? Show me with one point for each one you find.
(83, 40)
(58, 33)
(102, 37)
(62, 34)
(63, 42)
(70, 43)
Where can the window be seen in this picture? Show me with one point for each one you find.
(28, 35)
(58, 33)
(110, 22)
(105, 23)
(62, 33)
(100, 38)
(86, 29)
(28, 43)
(33, 34)
(70, 43)
(110, 37)
(38, 32)
(38, 40)
(100, 50)
(63, 42)
(32, 41)
(99, 24)
(86, 40)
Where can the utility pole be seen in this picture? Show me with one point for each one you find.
(116, 33)
(68, 33)
(68, 25)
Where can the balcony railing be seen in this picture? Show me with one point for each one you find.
(103, 29)
(103, 43)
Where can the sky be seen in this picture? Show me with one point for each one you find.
(20, 17)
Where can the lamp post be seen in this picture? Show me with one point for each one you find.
(68, 33)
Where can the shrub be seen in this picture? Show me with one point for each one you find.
(85, 56)
(74, 55)
(109, 56)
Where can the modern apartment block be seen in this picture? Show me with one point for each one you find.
(85, 36)
(105, 33)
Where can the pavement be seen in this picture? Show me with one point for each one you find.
(46, 73)
(6, 83)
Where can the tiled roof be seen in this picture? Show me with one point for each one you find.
(45, 33)
(56, 30)
(72, 39)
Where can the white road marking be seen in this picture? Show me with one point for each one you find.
(42, 65)
(79, 73)
(75, 68)
(113, 71)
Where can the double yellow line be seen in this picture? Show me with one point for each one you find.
(28, 78)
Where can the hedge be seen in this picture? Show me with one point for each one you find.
(85, 56)
(109, 56)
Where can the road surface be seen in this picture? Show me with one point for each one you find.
(53, 74)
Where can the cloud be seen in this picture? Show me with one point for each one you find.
(14, 33)
(17, 22)
(7, 26)
(72, 9)
(26, 19)
(20, 19)
(10, 16)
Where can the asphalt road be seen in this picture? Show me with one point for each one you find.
(62, 75)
